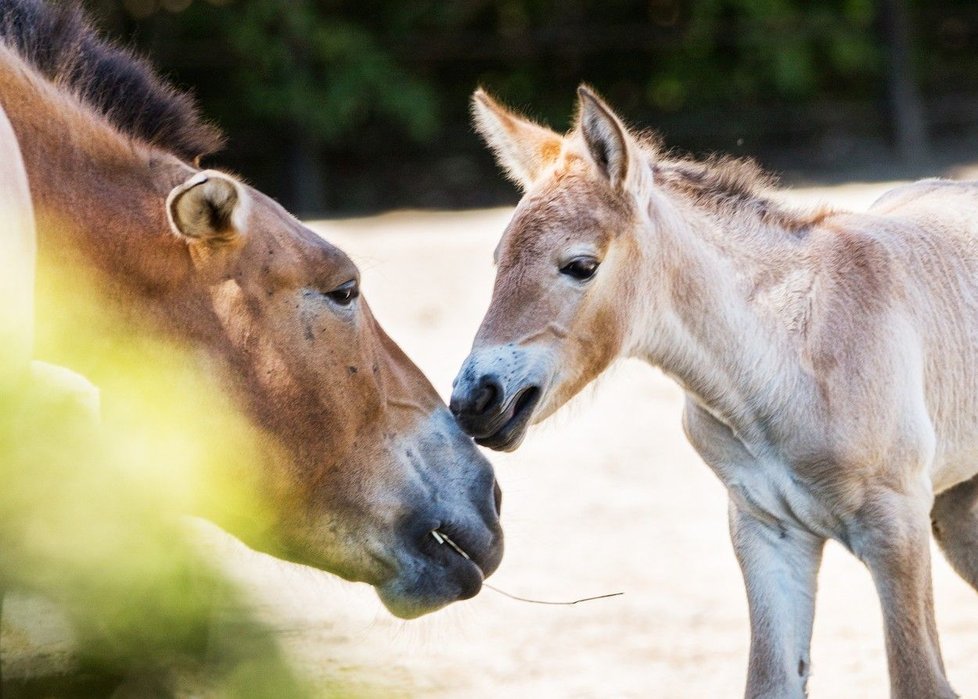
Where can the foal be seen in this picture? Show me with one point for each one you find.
(828, 360)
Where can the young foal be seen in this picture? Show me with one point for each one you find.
(828, 360)
(363, 461)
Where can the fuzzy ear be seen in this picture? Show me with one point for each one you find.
(523, 149)
(611, 147)
(209, 207)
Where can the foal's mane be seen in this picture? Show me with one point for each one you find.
(58, 42)
(729, 186)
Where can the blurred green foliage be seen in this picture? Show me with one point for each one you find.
(323, 74)
(94, 505)
(365, 103)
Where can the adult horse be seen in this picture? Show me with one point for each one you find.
(363, 461)
(828, 359)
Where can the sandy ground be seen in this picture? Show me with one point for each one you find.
(607, 497)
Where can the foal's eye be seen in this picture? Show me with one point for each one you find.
(580, 268)
(344, 293)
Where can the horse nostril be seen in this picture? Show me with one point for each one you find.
(475, 404)
(485, 398)
(497, 497)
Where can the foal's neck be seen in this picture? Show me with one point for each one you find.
(729, 351)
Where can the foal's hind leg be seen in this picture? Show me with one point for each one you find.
(954, 520)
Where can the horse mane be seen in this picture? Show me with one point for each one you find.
(58, 41)
(727, 185)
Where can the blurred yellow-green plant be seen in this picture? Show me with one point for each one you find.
(92, 509)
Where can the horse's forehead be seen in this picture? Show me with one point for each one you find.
(567, 208)
(283, 232)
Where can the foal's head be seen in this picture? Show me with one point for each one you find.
(567, 265)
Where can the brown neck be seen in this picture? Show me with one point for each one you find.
(81, 169)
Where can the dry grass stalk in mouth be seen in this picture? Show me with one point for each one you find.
(443, 538)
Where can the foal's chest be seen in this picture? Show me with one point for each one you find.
(759, 483)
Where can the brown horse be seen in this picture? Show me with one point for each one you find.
(828, 359)
(363, 460)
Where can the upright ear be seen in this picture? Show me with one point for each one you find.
(209, 207)
(612, 148)
(523, 149)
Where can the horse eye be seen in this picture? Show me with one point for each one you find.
(344, 293)
(580, 268)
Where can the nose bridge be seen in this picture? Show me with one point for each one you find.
(445, 451)
(450, 480)
(512, 313)
(494, 328)
(403, 386)
(529, 309)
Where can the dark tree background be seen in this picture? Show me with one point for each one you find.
(350, 106)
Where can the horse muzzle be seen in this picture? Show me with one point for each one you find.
(442, 561)
(456, 499)
(495, 396)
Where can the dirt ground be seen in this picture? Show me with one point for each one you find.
(607, 497)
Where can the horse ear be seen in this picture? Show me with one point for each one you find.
(209, 207)
(611, 147)
(523, 149)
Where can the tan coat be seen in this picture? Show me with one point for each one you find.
(828, 360)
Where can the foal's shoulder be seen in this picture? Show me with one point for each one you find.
(857, 258)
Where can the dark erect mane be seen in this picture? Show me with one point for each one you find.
(729, 185)
(57, 40)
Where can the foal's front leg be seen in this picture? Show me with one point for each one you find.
(780, 567)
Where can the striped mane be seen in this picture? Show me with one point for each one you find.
(734, 186)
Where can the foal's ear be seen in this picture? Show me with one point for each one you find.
(612, 148)
(523, 149)
(209, 207)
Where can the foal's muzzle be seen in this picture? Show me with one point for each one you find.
(495, 404)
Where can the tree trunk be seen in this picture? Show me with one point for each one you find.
(903, 97)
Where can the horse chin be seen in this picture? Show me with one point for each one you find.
(414, 595)
(511, 434)
(506, 439)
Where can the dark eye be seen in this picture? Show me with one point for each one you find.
(580, 268)
(344, 293)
